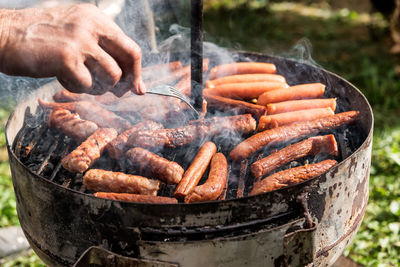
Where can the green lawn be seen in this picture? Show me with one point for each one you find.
(352, 45)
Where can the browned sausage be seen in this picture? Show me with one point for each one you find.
(118, 182)
(227, 104)
(92, 112)
(246, 78)
(215, 183)
(276, 120)
(309, 147)
(196, 170)
(291, 176)
(291, 132)
(200, 129)
(80, 159)
(71, 124)
(117, 147)
(155, 166)
(137, 198)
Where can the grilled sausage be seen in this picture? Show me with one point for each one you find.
(291, 176)
(227, 104)
(273, 121)
(118, 182)
(160, 69)
(117, 147)
(137, 198)
(200, 129)
(291, 132)
(302, 91)
(245, 91)
(92, 112)
(80, 159)
(246, 78)
(71, 125)
(215, 183)
(196, 170)
(155, 166)
(241, 68)
(293, 105)
(309, 147)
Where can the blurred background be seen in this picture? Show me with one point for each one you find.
(356, 39)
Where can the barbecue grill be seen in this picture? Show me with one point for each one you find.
(311, 222)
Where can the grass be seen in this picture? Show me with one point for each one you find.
(350, 44)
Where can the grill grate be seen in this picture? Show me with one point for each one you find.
(41, 150)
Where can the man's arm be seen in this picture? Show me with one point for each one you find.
(78, 44)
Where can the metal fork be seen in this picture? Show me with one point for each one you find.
(173, 92)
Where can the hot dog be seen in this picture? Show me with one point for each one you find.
(246, 78)
(245, 91)
(293, 105)
(303, 91)
(118, 182)
(241, 68)
(309, 147)
(291, 132)
(80, 159)
(137, 198)
(241, 107)
(196, 170)
(117, 147)
(71, 125)
(215, 183)
(291, 176)
(273, 121)
(150, 164)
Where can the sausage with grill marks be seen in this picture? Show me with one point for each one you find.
(155, 166)
(309, 147)
(117, 147)
(291, 132)
(92, 112)
(291, 176)
(196, 170)
(67, 96)
(80, 159)
(215, 183)
(200, 129)
(118, 182)
(137, 198)
(71, 124)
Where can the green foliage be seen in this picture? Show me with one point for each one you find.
(24, 260)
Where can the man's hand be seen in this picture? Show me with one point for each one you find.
(78, 44)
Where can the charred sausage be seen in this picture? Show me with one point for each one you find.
(117, 147)
(71, 124)
(291, 176)
(137, 198)
(291, 132)
(92, 112)
(118, 182)
(80, 159)
(309, 147)
(155, 166)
